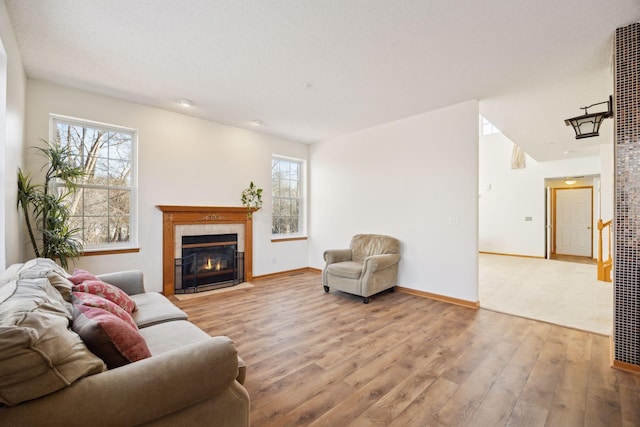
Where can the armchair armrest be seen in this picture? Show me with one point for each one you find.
(138, 392)
(380, 262)
(331, 256)
(129, 281)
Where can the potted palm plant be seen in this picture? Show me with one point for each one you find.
(46, 213)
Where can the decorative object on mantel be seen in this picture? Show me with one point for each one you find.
(252, 198)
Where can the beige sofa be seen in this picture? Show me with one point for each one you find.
(49, 377)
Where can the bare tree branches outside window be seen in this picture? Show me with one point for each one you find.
(286, 184)
(103, 205)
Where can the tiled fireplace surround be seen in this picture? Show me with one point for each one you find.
(178, 221)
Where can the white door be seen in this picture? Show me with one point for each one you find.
(573, 221)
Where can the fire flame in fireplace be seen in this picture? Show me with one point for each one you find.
(209, 265)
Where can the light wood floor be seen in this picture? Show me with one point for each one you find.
(318, 359)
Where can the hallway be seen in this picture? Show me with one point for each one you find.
(562, 293)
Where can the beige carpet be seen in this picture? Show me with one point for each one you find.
(563, 293)
(184, 297)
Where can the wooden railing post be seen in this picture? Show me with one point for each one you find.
(600, 227)
(604, 267)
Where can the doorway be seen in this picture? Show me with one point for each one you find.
(516, 219)
(573, 208)
(572, 213)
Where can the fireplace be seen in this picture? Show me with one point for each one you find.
(209, 261)
(181, 221)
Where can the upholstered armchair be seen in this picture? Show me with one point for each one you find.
(369, 266)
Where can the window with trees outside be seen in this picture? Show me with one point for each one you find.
(103, 208)
(287, 196)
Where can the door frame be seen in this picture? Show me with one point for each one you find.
(554, 215)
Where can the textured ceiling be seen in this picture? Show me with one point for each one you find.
(310, 70)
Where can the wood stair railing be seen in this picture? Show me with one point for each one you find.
(604, 266)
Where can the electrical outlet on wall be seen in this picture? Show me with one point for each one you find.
(453, 221)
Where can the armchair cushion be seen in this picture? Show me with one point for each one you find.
(365, 245)
(347, 269)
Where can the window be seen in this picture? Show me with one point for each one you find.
(488, 128)
(287, 196)
(103, 208)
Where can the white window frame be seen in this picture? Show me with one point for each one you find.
(302, 232)
(54, 119)
(488, 128)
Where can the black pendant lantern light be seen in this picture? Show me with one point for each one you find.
(588, 124)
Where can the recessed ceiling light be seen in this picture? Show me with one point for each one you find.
(257, 122)
(186, 102)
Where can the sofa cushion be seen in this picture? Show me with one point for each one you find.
(39, 267)
(38, 353)
(164, 337)
(155, 308)
(167, 336)
(110, 292)
(114, 340)
(11, 273)
(346, 269)
(61, 283)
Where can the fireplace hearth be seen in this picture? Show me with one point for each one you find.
(208, 262)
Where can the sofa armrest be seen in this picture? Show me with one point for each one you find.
(331, 256)
(130, 281)
(138, 392)
(379, 262)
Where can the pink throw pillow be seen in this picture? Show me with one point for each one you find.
(79, 275)
(108, 336)
(91, 300)
(110, 292)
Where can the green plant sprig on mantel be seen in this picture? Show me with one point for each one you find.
(251, 198)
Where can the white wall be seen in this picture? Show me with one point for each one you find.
(508, 195)
(182, 161)
(406, 179)
(12, 100)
